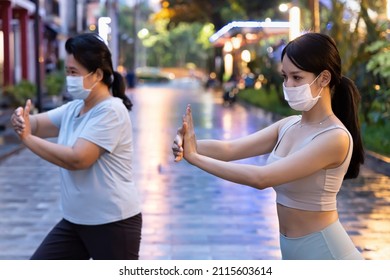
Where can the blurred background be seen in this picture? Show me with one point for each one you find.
(223, 57)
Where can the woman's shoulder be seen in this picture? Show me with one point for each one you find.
(68, 107)
(288, 121)
(111, 104)
(73, 103)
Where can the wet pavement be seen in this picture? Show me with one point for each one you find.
(188, 214)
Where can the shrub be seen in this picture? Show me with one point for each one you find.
(54, 83)
(20, 92)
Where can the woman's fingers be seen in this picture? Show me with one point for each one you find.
(27, 109)
(177, 146)
(17, 120)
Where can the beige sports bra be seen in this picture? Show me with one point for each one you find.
(316, 192)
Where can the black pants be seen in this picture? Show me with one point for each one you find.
(114, 241)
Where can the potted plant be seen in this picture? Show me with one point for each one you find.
(20, 92)
(54, 83)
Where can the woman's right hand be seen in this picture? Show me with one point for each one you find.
(177, 146)
(17, 120)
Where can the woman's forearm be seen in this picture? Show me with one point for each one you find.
(216, 149)
(243, 174)
(59, 155)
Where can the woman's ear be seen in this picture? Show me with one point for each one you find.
(99, 74)
(325, 78)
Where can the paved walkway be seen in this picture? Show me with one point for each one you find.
(188, 214)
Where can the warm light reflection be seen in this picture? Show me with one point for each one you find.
(207, 111)
(232, 122)
(152, 146)
(227, 124)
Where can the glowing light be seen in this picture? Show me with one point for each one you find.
(295, 21)
(249, 24)
(283, 8)
(228, 65)
(246, 56)
(104, 28)
(388, 9)
(236, 42)
(228, 47)
(1, 48)
(143, 33)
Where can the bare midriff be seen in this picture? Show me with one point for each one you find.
(297, 223)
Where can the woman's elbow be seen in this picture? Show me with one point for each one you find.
(78, 164)
(260, 183)
(259, 186)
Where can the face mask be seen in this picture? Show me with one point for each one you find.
(300, 98)
(75, 87)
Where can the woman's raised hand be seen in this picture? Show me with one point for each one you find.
(189, 138)
(20, 120)
(177, 146)
(184, 143)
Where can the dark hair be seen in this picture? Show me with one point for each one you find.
(91, 52)
(316, 52)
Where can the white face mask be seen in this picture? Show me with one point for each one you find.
(300, 98)
(75, 87)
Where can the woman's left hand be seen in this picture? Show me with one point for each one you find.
(189, 137)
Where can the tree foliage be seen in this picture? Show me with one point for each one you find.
(217, 12)
(181, 44)
(364, 65)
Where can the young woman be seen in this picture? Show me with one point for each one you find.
(100, 203)
(309, 154)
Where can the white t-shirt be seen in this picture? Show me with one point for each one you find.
(105, 192)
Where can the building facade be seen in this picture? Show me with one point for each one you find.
(32, 34)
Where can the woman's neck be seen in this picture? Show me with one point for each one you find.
(97, 95)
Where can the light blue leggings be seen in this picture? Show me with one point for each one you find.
(331, 243)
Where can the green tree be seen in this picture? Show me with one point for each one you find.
(216, 12)
(379, 66)
(362, 30)
(181, 44)
(127, 20)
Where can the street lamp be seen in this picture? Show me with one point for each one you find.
(294, 18)
(104, 28)
(295, 22)
(388, 9)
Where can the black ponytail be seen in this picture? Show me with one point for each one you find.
(118, 88)
(345, 105)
